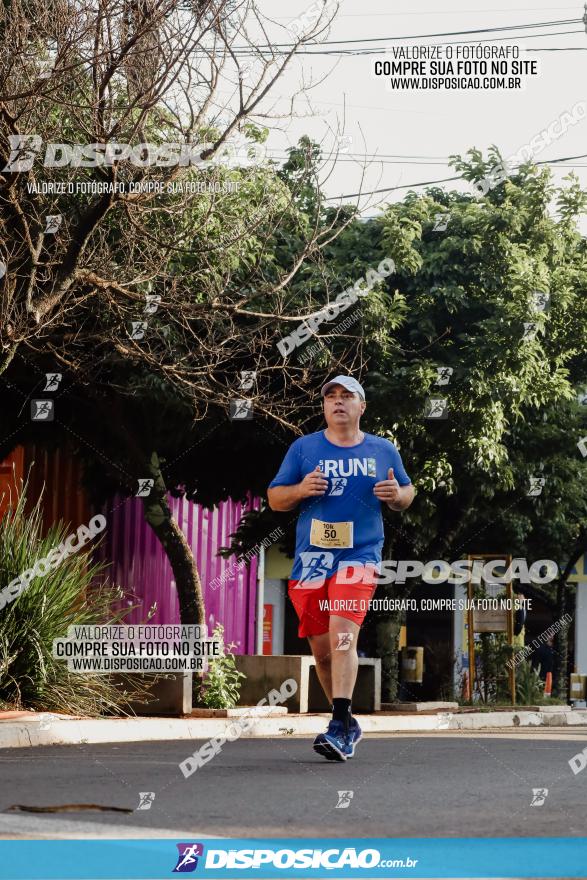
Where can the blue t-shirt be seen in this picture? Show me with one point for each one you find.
(351, 471)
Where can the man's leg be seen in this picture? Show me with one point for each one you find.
(343, 635)
(313, 617)
(344, 732)
(338, 742)
(320, 646)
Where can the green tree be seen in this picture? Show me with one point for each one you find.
(150, 294)
(512, 411)
(460, 299)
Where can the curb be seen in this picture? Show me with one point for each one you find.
(48, 729)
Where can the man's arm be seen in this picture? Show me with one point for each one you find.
(283, 498)
(405, 498)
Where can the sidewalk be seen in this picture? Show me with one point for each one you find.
(19, 729)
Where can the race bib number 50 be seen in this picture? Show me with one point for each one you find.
(331, 535)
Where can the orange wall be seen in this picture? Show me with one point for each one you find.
(10, 476)
(55, 475)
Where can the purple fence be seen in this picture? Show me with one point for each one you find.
(134, 556)
(139, 565)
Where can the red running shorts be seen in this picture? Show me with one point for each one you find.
(314, 605)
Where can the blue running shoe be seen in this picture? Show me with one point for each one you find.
(354, 735)
(334, 744)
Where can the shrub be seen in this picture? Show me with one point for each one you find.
(221, 683)
(30, 677)
(529, 685)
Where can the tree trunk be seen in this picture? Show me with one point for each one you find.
(178, 551)
(387, 631)
(561, 640)
(561, 646)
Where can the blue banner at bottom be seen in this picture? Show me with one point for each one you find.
(302, 857)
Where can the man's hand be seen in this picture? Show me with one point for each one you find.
(285, 498)
(391, 493)
(314, 483)
(387, 490)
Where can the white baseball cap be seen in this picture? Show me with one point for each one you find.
(347, 382)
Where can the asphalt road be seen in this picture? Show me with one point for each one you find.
(438, 785)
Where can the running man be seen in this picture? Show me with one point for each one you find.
(340, 477)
